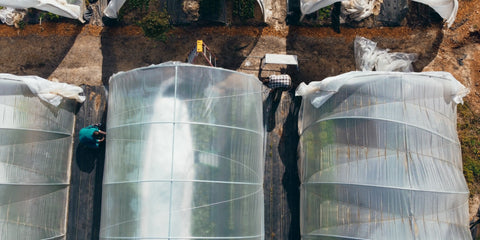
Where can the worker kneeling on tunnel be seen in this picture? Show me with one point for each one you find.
(91, 136)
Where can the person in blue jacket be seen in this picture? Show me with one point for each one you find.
(91, 136)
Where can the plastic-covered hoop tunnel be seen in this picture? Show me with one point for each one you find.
(184, 157)
(35, 157)
(381, 159)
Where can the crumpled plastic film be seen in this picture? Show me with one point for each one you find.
(66, 8)
(369, 57)
(184, 154)
(354, 9)
(360, 9)
(113, 8)
(50, 92)
(11, 16)
(35, 157)
(380, 157)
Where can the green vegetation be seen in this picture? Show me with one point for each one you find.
(324, 13)
(156, 25)
(22, 24)
(46, 16)
(244, 9)
(135, 5)
(469, 132)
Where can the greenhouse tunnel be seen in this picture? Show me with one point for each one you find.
(184, 154)
(380, 158)
(447, 9)
(35, 160)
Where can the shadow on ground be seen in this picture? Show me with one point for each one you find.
(34, 54)
(84, 208)
(287, 149)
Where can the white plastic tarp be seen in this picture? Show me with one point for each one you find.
(447, 9)
(262, 6)
(113, 8)
(369, 57)
(321, 91)
(48, 91)
(66, 8)
(380, 157)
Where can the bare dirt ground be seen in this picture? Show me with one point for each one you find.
(321, 51)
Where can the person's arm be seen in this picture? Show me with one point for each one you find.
(101, 139)
(102, 132)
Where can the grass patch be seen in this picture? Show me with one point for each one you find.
(324, 13)
(244, 9)
(47, 16)
(150, 15)
(156, 25)
(468, 133)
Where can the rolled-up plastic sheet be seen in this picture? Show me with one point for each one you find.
(380, 157)
(184, 155)
(66, 8)
(35, 157)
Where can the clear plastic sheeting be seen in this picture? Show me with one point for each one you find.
(368, 57)
(66, 8)
(380, 157)
(113, 8)
(184, 155)
(35, 156)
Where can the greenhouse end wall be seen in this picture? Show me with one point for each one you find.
(35, 158)
(380, 158)
(184, 154)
